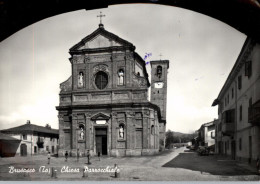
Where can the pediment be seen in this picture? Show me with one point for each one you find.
(100, 39)
(100, 116)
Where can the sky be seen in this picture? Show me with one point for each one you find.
(201, 51)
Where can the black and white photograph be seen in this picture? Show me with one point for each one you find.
(130, 92)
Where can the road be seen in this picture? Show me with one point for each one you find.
(171, 165)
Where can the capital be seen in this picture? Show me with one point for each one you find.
(129, 114)
(114, 114)
(146, 113)
(88, 115)
(60, 116)
(74, 116)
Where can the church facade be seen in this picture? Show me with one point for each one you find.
(104, 106)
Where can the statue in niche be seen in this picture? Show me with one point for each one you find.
(81, 134)
(121, 132)
(80, 79)
(121, 77)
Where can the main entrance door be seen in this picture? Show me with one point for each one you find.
(101, 141)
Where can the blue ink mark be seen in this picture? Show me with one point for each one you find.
(147, 55)
(147, 62)
(199, 78)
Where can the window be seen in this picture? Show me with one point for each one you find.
(239, 85)
(232, 93)
(240, 144)
(229, 116)
(250, 102)
(249, 108)
(47, 148)
(121, 76)
(240, 113)
(159, 71)
(24, 136)
(152, 129)
(228, 99)
(248, 68)
(101, 80)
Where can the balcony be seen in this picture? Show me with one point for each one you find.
(254, 114)
(228, 129)
(40, 142)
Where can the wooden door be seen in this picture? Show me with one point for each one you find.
(23, 150)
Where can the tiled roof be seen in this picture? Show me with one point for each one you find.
(7, 137)
(29, 128)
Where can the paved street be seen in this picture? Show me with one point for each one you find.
(174, 165)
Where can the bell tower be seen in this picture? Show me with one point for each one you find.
(159, 70)
(159, 84)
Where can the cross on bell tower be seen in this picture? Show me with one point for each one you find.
(160, 56)
(100, 16)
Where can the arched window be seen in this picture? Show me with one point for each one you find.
(101, 80)
(121, 76)
(152, 129)
(80, 79)
(121, 131)
(138, 73)
(81, 132)
(159, 71)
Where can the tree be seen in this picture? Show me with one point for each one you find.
(169, 138)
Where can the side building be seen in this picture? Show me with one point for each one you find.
(34, 139)
(206, 134)
(238, 128)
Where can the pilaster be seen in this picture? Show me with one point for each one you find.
(114, 131)
(146, 114)
(129, 130)
(74, 131)
(61, 133)
(88, 130)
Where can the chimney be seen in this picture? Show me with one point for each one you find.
(28, 122)
(48, 126)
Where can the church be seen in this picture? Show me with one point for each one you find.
(104, 106)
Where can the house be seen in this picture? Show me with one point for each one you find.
(34, 139)
(238, 128)
(206, 134)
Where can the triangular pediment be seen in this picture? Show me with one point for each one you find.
(100, 39)
(100, 116)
